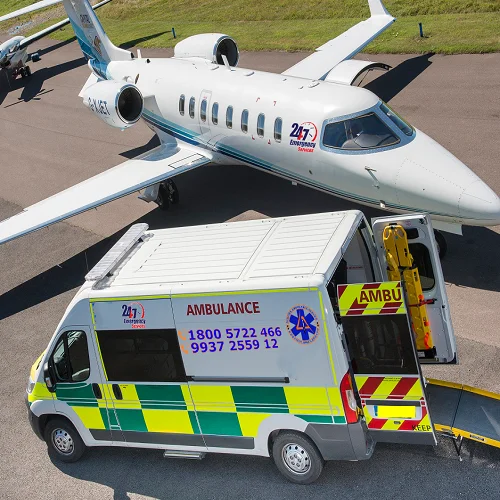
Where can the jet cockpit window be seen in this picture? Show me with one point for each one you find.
(182, 101)
(260, 125)
(362, 132)
(244, 121)
(215, 113)
(397, 120)
(229, 117)
(203, 110)
(192, 103)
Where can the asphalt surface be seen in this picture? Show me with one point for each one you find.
(50, 142)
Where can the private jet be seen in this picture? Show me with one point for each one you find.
(309, 125)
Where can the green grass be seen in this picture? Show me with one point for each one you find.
(450, 26)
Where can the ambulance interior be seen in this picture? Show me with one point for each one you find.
(376, 344)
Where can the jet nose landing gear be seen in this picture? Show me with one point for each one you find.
(163, 194)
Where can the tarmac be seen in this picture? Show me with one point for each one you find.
(50, 141)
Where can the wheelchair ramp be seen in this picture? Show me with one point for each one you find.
(461, 411)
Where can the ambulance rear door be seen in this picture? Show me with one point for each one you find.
(383, 358)
(423, 248)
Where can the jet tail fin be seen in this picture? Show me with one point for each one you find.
(90, 34)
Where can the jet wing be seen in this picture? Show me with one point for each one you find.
(47, 31)
(155, 166)
(317, 65)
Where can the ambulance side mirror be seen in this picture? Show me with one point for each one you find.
(49, 381)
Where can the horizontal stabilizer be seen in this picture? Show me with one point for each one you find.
(155, 166)
(47, 31)
(30, 8)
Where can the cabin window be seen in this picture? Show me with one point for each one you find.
(396, 119)
(362, 132)
(182, 102)
(278, 125)
(203, 110)
(261, 119)
(192, 103)
(229, 117)
(215, 113)
(244, 121)
(141, 355)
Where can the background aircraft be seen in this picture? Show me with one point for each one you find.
(14, 52)
(309, 125)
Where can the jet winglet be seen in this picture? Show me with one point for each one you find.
(377, 8)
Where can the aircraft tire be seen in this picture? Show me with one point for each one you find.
(28, 71)
(162, 199)
(35, 57)
(441, 243)
(173, 192)
(22, 72)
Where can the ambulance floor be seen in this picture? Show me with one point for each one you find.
(465, 411)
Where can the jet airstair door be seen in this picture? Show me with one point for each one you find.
(423, 248)
(384, 363)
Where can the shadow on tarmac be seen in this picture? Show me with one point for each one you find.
(390, 84)
(144, 472)
(217, 193)
(32, 87)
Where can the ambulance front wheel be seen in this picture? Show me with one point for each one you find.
(441, 243)
(63, 441)
(297, 457)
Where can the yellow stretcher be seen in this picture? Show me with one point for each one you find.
(400, 268)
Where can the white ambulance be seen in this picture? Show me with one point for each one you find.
(274, 337)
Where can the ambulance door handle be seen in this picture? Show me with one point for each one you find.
(117, 391)
(97, 391)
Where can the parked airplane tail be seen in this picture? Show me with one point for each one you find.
(91, 36)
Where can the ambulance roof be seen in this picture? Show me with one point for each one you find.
(258, 253)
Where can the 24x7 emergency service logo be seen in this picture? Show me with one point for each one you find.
(302, 324)
(134, 314)
(304, 136)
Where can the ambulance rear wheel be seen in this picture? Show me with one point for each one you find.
(441, 243)
(63, 441)
(297, 457)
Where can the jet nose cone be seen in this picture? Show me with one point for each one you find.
(481, 203)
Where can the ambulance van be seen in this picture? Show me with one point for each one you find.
(278, 337)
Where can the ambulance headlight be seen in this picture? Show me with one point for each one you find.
(31, 386)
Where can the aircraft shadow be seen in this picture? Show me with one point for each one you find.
(133, 43)
(390, 84)
(132, 153)
(56, 46)
(218, 193)
(32, 87)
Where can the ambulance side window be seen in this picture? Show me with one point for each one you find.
(380, 344)
(70, 359)
(141, 355)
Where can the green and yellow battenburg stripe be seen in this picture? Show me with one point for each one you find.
(200, 409)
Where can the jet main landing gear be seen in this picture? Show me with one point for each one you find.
(167, 194)
(25, 72)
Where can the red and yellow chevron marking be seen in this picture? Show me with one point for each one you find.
(387, 387)
(397, 388)
(371, 298)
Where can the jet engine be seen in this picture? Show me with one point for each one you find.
(209, 46)
(118, 104)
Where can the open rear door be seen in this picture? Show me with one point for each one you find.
(384, 362)
(423, 248)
